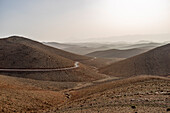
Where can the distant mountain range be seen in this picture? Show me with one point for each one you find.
(115, 53)
(85, 48)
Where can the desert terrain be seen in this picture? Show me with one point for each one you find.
(84, 56)
(35, 77)
(153, 62)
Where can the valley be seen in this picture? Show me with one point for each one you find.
(41, 78)
(84, 56)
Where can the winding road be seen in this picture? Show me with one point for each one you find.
(76, 65)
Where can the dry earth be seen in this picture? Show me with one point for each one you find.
(153, 62)
(22, 53)
(143, 94)
(82, 89)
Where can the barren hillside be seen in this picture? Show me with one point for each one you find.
(146, 94)
(22, 53)
(16, 54)
(39, 46)
(20, 95)
(153, 62)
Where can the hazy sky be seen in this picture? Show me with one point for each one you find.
(83, 20)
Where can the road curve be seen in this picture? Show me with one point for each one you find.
(76, 65)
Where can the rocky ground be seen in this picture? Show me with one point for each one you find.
(143, 96)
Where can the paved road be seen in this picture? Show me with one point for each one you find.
(76, 65)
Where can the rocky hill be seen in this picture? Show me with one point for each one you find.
(153, 62)
(22, 53)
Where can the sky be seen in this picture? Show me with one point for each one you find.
(86, 20)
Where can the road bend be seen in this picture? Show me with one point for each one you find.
(76, 65)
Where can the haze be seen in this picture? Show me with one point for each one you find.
(86, 20)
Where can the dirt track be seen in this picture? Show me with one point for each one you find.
(76, 65)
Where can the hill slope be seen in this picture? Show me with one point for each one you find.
(51, 50)
(21, 95)
(19, 52)
(42, 47)
(115, 53)
(14, 54)
(153, 62)
(147, 94)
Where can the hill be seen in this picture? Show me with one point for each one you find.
(19, 52)
(44, 48)
(20, 94)
(148, 94)
(15, 53)
(153, 62)
(54, 51)
(134, 94)
(115, 53)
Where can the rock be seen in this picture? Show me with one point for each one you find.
(133, 107)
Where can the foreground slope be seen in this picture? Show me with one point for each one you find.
(21, 53)
(115, 53)
(153, 62)
(143, 94)
(20, 94)
(136, 94)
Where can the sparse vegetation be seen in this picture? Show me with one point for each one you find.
(83, 89)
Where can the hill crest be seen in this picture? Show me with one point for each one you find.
(153, 62)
